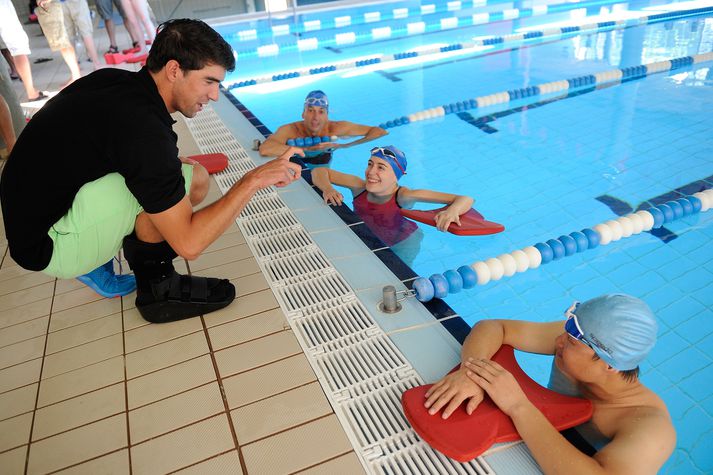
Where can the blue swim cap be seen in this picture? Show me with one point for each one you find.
(395, 157)
(621, 328)
(317, 98)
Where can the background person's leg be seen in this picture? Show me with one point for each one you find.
(106, 11)
(79, 13)
(52, 23)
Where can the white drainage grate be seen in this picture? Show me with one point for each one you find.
(279, 242)
(263, 205)
(360, 369)
(333, 324)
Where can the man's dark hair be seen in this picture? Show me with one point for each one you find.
(628, 375)
(192, 43)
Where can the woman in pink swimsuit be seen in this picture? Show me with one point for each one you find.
(378, 198)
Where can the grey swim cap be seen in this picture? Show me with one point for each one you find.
(621, 328)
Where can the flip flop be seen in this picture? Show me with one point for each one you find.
(39, 98)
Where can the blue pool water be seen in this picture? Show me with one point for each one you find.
(556, 166)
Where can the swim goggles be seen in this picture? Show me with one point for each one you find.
(571, 326)
(385, 152)
(317, 102)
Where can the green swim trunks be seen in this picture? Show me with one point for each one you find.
(92, 231)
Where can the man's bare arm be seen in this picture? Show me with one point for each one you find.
(190, 233)
(276, 144)
(367, 132)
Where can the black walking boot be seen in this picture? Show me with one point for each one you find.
(163, 295)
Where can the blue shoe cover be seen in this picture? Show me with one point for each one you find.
(107, 284)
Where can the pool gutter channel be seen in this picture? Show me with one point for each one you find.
(362, 372)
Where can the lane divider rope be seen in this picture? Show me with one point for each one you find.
(587, 80)
(395, 31)
(477, 45)
(531, 257)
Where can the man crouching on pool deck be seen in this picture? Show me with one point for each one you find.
(98, 166)
(597, 354)
(315, 123)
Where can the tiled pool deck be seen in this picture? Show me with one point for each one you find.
(87, 386)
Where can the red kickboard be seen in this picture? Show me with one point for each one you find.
(137, 59)
(472, 223)
(115, 58)
(213, 162)
(463, 437)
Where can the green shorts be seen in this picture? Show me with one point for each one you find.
(92, 231)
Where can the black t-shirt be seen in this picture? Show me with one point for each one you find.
(109, 121)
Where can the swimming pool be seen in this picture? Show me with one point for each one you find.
(556, 166)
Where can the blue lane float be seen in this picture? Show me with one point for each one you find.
(531, 257)
(477, 45)
(310, 141)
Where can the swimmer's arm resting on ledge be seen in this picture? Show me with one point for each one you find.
(332, 177)
(457, 204)
(486, 337)
(632, 450)
(346, 128)
(276, 144)
(642, 440)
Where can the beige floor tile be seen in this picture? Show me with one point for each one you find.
(24, 281)
(21, 352)
(267, 381)
(299, 448)
(20, 375)
(225, 241)
(183, 447)
(250, 284)
(9, 262)
(24, 297)
(18, 401)
(15, 431)
(83, 333)
(75, 298)
(347, 464)
(233, 270)
(78, 445)
(13, 461)
(84, 409)
(84, 355)
(14, 272)
(25, 313)
(212, 259)
(277, 413)
(245, 329)
(150, 335)
(167, 382)
(166, 354)
(116, 463)
(81, 381)
(226, 463)
(260, 352)
(174, 412)
(84, 313)
(23, 331)
(243, 306)
(67, 285)
(132, 318)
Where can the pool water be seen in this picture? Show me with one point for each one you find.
(547, 166)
